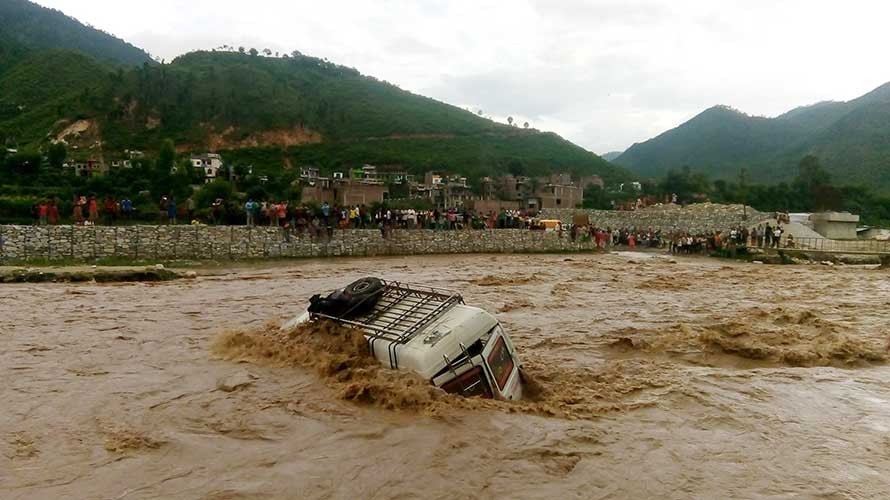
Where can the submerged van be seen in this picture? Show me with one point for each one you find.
(460, 348)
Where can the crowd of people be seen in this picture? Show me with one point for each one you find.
(683, 242)
(303, 218)
(321, 221)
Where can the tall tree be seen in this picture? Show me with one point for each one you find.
(56, 155)
(166, 159)
(813, 183)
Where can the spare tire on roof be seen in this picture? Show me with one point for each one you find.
(364, 287)
(359, 297)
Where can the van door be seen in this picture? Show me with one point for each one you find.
(503, 365)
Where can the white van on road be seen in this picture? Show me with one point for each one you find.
(460, 348)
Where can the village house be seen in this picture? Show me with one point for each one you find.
(340, 190)
(209, 163)
(87, 168)
(124, 163)
(383, 175)
(537, 193)
(443, 190)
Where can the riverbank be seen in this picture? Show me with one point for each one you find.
(83, 274)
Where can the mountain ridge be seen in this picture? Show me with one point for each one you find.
(852, 138)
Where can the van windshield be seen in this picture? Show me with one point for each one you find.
(500, 362)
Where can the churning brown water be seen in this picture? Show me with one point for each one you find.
(694, 379)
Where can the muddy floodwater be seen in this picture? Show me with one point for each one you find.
(657, 378)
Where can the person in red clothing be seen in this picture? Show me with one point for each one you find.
(77, 209)
(42, 212)
(282, 213)
(53, 212)
(93, 209)
(632, 241)
(110, 210)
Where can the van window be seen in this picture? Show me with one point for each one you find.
(471, 383)
(500, 361)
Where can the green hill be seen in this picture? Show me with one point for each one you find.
(60, 79)
(270, 112)
(851, 138)
(34, 27)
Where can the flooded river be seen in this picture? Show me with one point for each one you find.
(686, 378)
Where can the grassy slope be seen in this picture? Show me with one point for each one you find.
(43, 87)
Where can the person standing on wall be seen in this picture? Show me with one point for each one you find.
(171, 210)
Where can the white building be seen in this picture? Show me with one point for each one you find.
(210, 163)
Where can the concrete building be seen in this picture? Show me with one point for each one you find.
(836, 225)
(87, 168)
(537, 193)
(556, 195)
(209, 163)
(121, 163)
(384, 175)
(443, 190)
(343, 192)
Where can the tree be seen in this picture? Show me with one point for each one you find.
(56, 155)
(479, 112)
(208, 193)
(267, 52)
(510, 120)
(813, 185)
(295, 54)
(166, 159)
(525, 125)
(254, 52)
(241, 49)
(25, 163)
(684, 184)
(595, 197)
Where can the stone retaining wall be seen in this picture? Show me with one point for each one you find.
(700, 218)
(241, 242)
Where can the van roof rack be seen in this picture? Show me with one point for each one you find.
(401, 311)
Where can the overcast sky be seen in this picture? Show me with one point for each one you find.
(602, 73)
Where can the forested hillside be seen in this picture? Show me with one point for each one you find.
(302, 108)
(35, 27)
(852, 139)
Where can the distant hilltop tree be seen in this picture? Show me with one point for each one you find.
(525, 125)
(254, 52)
(241, 49)
(267, 52)
(510, 120)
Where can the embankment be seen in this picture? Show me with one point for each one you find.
(697, 218)
(241, 242)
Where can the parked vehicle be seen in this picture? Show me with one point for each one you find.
(460, 348)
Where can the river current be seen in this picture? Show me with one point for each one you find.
(656, 377)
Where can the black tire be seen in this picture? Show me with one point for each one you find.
(362, 296)
(365, 287)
